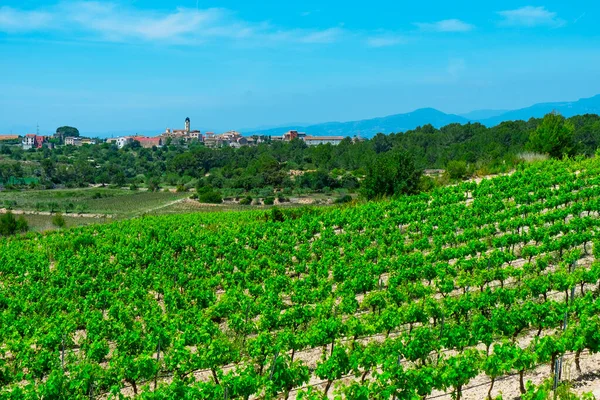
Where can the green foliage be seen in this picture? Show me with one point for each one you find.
(554, 136)
(246, 201)
(209, 195)
(275, 215)
(269, 201)
(456, 170)
(392, 174)
(9, 225)
(59, 221)
(401, 298)
(67, 131)
(343, 199)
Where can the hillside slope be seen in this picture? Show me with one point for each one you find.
(370, 127)
(424, 295)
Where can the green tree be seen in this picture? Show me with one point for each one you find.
(8, 224)
(456, 169)
(554, 136)
(393, 173)
(66, 131)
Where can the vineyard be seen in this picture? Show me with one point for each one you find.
(490, 285)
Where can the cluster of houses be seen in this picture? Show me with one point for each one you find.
(227, 139)
(186, 135)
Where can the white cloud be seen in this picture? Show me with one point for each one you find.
(15, 21)
(324, 36)
(447, 25)
(109, 21)
(385, 41)
(530, 17)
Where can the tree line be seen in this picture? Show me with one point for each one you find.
(384, 165)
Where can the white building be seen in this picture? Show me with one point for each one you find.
(73, 141)
(317, 140)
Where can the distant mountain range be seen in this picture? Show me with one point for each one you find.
(403, 122)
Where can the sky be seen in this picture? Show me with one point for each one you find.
(126, 66)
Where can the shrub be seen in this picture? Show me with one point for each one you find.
(181, 188)
(246, 201)
(10, 204)
(69, 207)
(53, 207)
(275, 215)
(343, 199)
(22, 225)
(457, 169)
(59, 221)
(8, 224)
(208, 195)
(269, 201)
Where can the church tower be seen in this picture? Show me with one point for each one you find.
(187, 125)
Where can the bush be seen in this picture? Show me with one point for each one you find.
(392, 174)
(282, 199)
(209, 195)
(181, 188)
(343, 199)
(8, 224)
(53, 207)
(59, 221)
(457, 169)
(426, 184)
(269, 201)
(246, 201)
(69, 207)
(22, 225)
(10, 204)
(133, 187)
(275, 215)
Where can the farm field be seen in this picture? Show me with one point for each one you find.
(114, 202)
(472, 289)
(82, 207)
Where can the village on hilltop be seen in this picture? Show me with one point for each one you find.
(169, 136)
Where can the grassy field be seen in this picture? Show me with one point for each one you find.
(99, 205)
(43, 223)
(115, 202)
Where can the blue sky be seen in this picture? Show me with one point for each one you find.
(126, 65)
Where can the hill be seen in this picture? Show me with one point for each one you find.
(427, 296)
(370, 127)
(403, 122)
(568, 109)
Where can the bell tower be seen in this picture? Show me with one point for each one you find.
(187, 125)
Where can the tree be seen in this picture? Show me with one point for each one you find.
(393, 173)
(554, 136)
(457, 169)
(209, 195)
(66, 131)
(8, 224)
